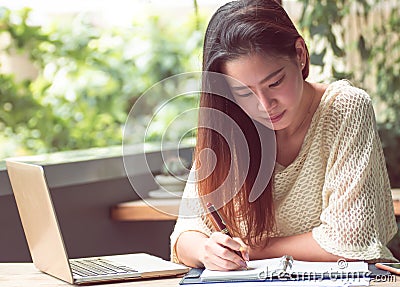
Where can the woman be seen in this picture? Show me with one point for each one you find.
(327, 195)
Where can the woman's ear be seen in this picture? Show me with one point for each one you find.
(300, 47)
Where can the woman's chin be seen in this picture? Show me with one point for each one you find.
(266, 123)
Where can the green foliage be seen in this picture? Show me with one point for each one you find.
(370, 58)
(384, 60)
(88, 78)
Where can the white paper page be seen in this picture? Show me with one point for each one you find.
(316, 283)
(266, 268)
(256, 268)
(320, 267)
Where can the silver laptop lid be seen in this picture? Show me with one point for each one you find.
(38, 219)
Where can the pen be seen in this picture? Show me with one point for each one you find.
(286, 262)
(220, 223)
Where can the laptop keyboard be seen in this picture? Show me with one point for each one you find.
(98, 267)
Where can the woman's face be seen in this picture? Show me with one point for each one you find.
(269, 89)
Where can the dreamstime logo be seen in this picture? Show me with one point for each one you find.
(173, 98)
(341, 275)
(342, 263)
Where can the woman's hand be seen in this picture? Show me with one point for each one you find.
(218, 253)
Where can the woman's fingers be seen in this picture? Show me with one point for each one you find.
(219, 254)
(218, 263)
(244, 249)
(226, 241)
(235, 244)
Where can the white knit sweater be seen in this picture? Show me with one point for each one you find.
(337, 187)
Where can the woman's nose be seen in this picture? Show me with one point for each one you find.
(260, 107)
(266, 104)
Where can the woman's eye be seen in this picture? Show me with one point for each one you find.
(245, 95)
(277, 83)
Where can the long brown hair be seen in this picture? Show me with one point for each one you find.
(235, 168)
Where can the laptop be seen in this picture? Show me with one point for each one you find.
(46, 244)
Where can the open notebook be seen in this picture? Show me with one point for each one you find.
(270, 269)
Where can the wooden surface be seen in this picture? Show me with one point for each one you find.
(150, 209)
(396, 201)
(396, 205)
(25, 274)
(167, 209)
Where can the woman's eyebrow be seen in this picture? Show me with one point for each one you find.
(261, 82)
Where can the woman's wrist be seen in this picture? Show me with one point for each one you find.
(263, 252)
(300, 246)
(185, 252)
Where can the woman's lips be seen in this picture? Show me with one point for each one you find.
(276, 118)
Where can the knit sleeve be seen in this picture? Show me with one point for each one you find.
(191, 216)
(357, 219)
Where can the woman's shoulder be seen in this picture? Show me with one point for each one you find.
(345, 111)
(342, 96)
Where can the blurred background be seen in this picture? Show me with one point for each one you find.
(70, 71)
